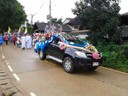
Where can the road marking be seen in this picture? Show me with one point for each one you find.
(17, 78)
(10, 68)
(32, 94)
(7, 63)
(15, 75)
(3, 57)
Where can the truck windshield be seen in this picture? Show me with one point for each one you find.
(73, 39)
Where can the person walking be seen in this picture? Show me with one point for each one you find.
(14, 39)
(1, 40)
(23, 42)
(6, 38)
(28, 42)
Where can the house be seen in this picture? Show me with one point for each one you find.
(124, 19)
(75, 23)
(67, 20)
(40, 27)
(124, 22)
(125, 32)
(72, 22)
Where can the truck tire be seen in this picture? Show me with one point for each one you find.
(42, 55)
(68, 65)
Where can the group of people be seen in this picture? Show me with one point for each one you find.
(52, 28)
(24, 41)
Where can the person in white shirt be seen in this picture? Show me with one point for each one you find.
(23, 41)
(28, 42)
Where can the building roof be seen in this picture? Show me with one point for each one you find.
(41, 26)
(124, 18)
(67, 20)
(71, 21)
(125, 14)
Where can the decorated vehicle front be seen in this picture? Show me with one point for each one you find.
(84, 54)
(72, 51)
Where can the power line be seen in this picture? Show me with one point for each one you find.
(39, 8)
(32, 15)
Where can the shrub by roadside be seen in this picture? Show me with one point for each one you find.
(115, 56)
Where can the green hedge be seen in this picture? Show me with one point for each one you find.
(115, 56)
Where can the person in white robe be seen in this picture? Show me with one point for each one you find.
(28, 41)
(23, 41)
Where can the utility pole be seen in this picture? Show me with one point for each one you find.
(50, 11)
(32, 19)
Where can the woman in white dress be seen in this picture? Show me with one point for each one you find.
(28, 42)
(23, 42)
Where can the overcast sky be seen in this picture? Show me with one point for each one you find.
(60, 8)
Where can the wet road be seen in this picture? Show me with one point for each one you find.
(34, 77)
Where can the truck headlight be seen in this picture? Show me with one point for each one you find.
(80, 54)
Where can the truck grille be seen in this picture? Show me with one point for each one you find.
(89, 55)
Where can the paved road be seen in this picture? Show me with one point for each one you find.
(34, 77)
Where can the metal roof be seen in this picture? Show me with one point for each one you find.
(41, 26)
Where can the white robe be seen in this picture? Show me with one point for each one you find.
(23, 42)
(28, 42)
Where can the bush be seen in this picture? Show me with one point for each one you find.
(115, 56)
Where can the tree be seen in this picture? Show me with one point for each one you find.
(56, 21)
(11, 14)
(101, 18)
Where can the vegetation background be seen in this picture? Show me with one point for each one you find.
(101, 17)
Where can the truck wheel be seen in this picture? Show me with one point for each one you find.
(68, 65)
(42, 55)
